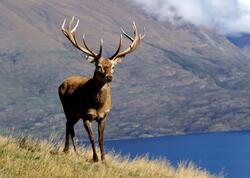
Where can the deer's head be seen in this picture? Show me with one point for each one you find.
(104, 66)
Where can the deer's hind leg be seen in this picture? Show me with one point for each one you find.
(70, 132)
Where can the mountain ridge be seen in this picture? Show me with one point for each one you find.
(182, 79)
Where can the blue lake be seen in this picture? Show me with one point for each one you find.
(216, 152)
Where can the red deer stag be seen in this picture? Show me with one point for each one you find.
(89, 98)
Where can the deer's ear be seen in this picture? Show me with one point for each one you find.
(90, 59)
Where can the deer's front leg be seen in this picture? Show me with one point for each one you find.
(101, 127)
(88, 127)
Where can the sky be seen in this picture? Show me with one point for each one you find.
(230, 17)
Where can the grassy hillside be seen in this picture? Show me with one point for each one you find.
(27, 158)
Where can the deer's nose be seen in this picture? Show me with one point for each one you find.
(109, 78)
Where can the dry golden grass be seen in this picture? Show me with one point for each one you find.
(26, 158)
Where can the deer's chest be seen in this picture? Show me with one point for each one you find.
(99, 99)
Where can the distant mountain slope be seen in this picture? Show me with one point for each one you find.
(181, 80)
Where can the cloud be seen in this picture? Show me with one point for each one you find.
(226, 16)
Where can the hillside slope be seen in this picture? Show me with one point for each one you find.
(181, 80)
(28, 158)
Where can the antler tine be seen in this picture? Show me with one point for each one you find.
(63, 25)
(118, 49)
(129, 37)
(100, 51)
(63, 28)
(69, 32)
(71, 22)
(135, 42)
(135, 29)
(85, 44)
(144, 33)
(74, 29)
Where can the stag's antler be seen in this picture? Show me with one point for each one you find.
(135, 43)
(69, 32)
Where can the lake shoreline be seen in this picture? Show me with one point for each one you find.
(176, 135)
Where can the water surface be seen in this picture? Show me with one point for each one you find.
(216, 152)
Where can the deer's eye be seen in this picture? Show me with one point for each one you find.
(99, 68)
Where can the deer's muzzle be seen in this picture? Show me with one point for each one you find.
(109, 78)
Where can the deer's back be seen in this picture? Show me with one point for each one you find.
(70, 85)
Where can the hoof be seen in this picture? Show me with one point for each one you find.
(95, 158)
(103, 158)
(65, 150)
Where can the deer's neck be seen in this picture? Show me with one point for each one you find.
(99, 85)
